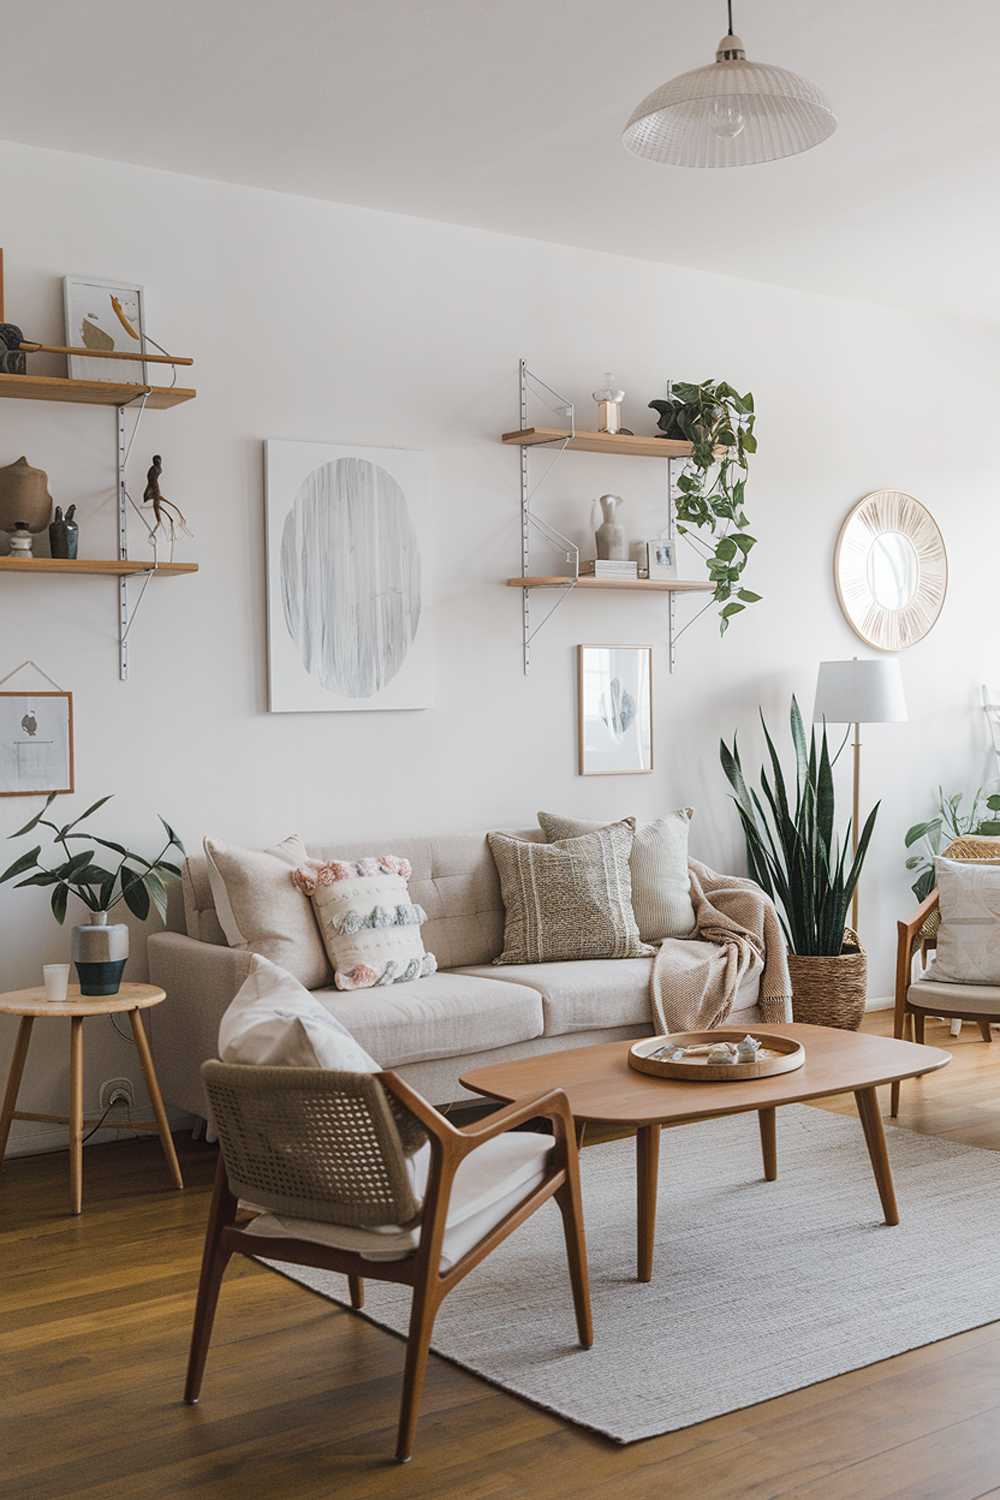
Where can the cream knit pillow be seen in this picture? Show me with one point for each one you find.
(661, 886)
(968, 940)
(370, 927)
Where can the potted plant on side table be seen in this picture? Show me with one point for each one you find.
(802, 863)
(99, 947)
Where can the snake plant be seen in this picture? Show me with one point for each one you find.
(793, 851)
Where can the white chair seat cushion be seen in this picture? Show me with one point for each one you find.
(585, 994)
(448, 1014)
(941, 997)
(494, 1179)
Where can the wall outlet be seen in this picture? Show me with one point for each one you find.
(116, 1091)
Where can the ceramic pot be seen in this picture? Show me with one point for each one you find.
(99, 951)
(610, 535)
(24, 495)
(64, 533)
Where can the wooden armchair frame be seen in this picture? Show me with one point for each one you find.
(421, 1270)
(910, 936)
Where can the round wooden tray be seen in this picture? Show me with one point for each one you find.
(783, 1056)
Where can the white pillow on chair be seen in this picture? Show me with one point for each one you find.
(968, 940)
(274, 1022)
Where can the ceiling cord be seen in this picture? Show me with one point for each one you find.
(730, 6)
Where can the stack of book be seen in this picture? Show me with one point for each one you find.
(603, 568)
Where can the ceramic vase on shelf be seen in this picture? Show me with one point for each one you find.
(610, 534)
(64, 533)
(99, 950)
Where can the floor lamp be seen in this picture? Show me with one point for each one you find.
(854, 693)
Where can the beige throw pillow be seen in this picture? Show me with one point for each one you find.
(568, 899)
(370, 926)
(661, 886)
(968, 940)
(260, 910)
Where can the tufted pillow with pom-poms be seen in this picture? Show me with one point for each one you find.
(369, 925)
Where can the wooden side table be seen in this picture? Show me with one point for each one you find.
(31, 1005)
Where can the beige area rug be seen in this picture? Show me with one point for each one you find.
(759, 1288)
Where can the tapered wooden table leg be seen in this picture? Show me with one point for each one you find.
(768, 1119)
(76, 1114)
(14, 1081)
(871, 1123)
(156, 1098)
(647, 1167)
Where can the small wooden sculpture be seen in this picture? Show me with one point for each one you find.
(165, 511)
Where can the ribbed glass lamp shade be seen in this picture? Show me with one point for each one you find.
(731, 114)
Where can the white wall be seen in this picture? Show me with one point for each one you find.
(317, 321)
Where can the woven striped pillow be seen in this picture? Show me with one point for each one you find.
(569, 899)
(661, 886)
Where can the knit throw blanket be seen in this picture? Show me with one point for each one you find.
(694, 991)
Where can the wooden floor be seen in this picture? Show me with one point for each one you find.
(300, 1397)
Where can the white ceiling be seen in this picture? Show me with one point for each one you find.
(508, 115)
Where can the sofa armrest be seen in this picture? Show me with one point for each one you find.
(200, 980)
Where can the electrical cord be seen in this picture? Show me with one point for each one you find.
(123, 1034)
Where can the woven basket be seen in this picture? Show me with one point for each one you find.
(830, 989)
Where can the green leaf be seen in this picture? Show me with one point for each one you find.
(915, 862)
(732, 609)
(24, 862)
(922, 888)
(748, 596)
(137, 898)
(920, 831)
(157, 894)
(44, 877)
(34, 822)
(174, 838)
(171, 869)
(94, 806)
(726, 549)
(59, 898)
(989, 826)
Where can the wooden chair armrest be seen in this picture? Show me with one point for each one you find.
(909, 929)
(552, 1105)
(437, 1127)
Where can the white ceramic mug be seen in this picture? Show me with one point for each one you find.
(56, 980)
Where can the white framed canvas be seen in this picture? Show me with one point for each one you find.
(348, 586)
(615, 710)
(91, 321)
(36, 744)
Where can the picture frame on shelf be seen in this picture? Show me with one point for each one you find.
(91, 321)
(614, 710)
(36, 744)
(657, 558)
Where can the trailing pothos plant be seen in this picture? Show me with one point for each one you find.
(793, 850)
(137, 881)
(719, 424)
(950, 823)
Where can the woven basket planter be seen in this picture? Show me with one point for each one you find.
(830, 989)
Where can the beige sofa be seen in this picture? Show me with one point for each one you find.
(429, 1030)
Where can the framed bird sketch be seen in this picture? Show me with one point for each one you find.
(615, 710)
(36, 744)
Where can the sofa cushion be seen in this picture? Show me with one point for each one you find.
(274, 1022)
(968, 940)
(584, 994)
(491, 1181)
(370, 927)
(444, 1015)
(942, 996)
(261, 911)
(570, 899)
(658, 863)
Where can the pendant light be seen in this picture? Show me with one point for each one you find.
(731, 114)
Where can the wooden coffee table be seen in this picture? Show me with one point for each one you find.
(604, 1090)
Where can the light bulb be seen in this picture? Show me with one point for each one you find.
(726, 121)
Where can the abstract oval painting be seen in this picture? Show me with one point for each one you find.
(350, 576)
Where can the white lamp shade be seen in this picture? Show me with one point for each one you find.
(860, 692)
(732, 113)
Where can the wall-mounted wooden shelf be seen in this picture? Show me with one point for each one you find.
(617, 443)
(91, 392)
(640, 585)
(116, 568)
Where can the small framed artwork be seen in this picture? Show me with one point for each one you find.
(105, 315)
(36, 744)
(656, 559)
(615, 710)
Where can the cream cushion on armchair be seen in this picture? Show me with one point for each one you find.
(489, 1183)
(940, 997)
